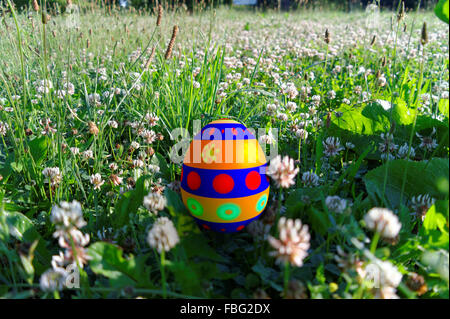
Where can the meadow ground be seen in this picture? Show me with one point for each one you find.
(356, 105)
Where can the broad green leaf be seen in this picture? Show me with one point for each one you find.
(187, 278)
(364, 125)
(268, 275)
(159, 161)
(107, 260)
(28, 268)
(435, 219)
(174, 201)
(367, 120)
(130, 202)
(195, 245)
(300, 198)
(319, 220)
(38, 149)
(438, 262)
(320, 274)
(421, 178)
(17, 166)
(5, 166)
(23, 229)
(443, 106)
(442, 10)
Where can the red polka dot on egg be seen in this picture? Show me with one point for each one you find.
(194, 181)
(253, 180)
(223, 183)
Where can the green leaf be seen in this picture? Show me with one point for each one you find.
(351, 171)
(159, 161)
(428, 172)
(5, 167)
(38, 149)
(438, 262)
(129, 203)
(368, 120)
(442, 11)
(443, 106)
(174, 201)
(186, 277)
(268, 275)
(296, 199)
(17, 166)
(364, 125)
(434, 219)
(28, 268)
(107, 260)
(195, 245)
(23, 229)
(320, 274)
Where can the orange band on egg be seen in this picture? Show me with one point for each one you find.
(225, 210)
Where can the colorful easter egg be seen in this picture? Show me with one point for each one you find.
(223, 180)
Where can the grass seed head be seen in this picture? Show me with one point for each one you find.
(401, 12)
(35, 5)
(171, 43)
(424, 35)
(327, 36)
(160, 13)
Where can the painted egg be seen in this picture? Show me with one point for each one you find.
(223, 180)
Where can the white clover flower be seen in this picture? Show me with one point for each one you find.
(155, 202)
(4, 128)
(271, 108)
(135, 145)
(152, 119)
(138, 163)
(88, 154)
(315, 99)
(290, 90)
(96, 180)
(293, 243)
(310, 179)
(336, 204)
(163, 236)
(282, 171)
(148, 135)
(421, 204)
(403, 151)
(53, 280)
(94, 99)
(387, 147)
(383, 221)
(75, 150)
(427, 143)
(67, 216)
(349, 145)
(389, 275)
(302, 134)
(332, 146)
(282, 117)
(53, 175)
(382, 81)
(267, 138)
(113, 124)
(331, 95)
(291, 106)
